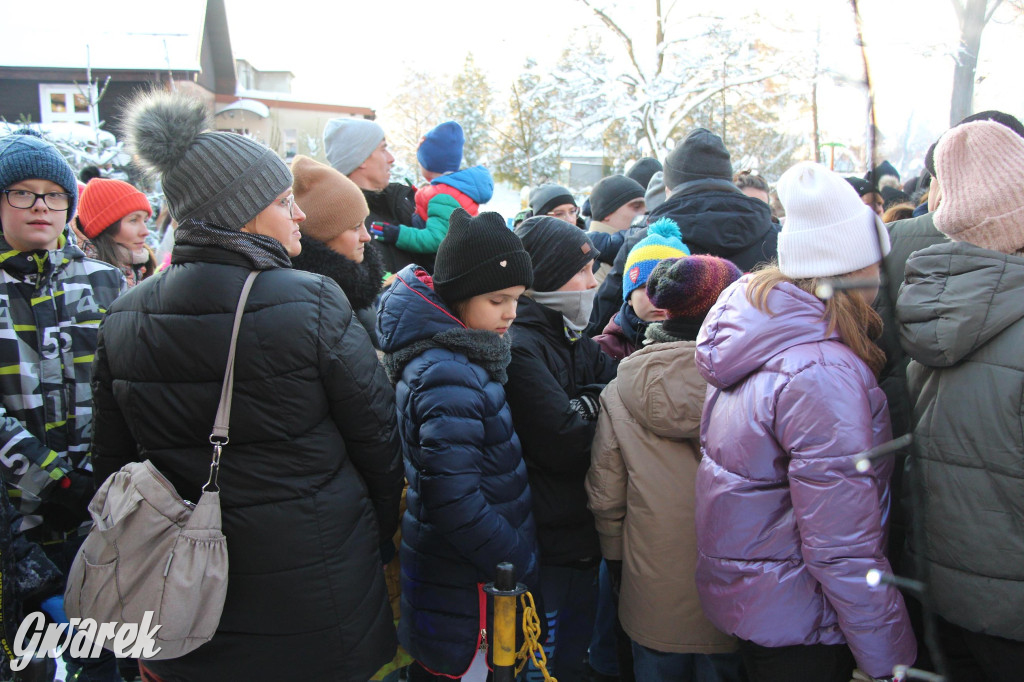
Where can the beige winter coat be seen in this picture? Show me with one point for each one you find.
(641, 490)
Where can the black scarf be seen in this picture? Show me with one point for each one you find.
(677, 329)
(265, 253)
(633, 328)
(361, 282)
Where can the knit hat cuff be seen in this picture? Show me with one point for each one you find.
(114, 211)
(993, 233)
(514, 268)
(835, 249)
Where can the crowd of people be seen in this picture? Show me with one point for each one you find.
(664, 406)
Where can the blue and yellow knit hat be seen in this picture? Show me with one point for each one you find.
(663, 241)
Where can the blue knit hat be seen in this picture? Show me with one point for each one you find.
(663, 241)
(25, 155)
(440, 150)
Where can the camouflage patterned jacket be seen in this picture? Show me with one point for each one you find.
(51, 304)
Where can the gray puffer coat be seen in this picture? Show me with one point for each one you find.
(961, 318)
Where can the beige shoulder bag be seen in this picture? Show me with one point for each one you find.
(150, 551)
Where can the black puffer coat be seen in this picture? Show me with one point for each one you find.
(314, 453)
(546, 372)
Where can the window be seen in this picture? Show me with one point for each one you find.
(65, 103)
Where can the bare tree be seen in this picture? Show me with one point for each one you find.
(972, 15)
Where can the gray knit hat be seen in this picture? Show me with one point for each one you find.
(702, 154)
(350, 141)
(220, 177)
(25, 155)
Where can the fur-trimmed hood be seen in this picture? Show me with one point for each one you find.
(361, 282)
(412, 319)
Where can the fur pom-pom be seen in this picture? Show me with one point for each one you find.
(665, 227)
(160, 127)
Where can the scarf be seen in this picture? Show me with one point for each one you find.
(265, 253)
(633, 328)
(678, 329)
(575, 306)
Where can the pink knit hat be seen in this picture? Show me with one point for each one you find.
(980, 169)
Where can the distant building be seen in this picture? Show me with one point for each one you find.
(94, 64)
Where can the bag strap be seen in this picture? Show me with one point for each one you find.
(219, 436)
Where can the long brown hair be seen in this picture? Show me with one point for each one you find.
(858, 323)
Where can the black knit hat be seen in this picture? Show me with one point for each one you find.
(477, 256)
(701, 155)
(643, 170)
(558, 250)
(612, 192)
(547, 197)
(1005, 119)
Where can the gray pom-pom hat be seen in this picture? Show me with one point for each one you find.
(220, 177)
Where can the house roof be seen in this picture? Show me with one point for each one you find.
(165, 37)
(286, 100)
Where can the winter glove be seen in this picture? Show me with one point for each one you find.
(68, 504)
(587, 405)
(384, 232)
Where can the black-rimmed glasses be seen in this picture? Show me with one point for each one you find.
(22, 198)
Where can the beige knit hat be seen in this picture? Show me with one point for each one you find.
(332, 203)
(980, 168)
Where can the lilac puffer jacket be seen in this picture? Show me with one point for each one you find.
(786, 526)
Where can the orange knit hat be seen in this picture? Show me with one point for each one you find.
(332, 203)
(105, 201)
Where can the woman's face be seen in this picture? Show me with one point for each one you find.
(871, 273)
(582, 280)
(280, 221)
(351, 242)
(493, 311)
(132, 236)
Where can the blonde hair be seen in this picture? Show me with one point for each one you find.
(858, 323)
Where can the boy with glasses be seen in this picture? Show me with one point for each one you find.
(51, 301)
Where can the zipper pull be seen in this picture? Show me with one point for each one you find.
(483, 640)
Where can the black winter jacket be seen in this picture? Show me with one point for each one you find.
(546, 372)
(468, 504)
(396, 204)
(361, 282)
(716, 218)
(310, 481)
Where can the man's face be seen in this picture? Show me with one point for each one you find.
(38, 226)
(622, 217)
(375, 172)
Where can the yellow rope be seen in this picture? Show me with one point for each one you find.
(531, 637)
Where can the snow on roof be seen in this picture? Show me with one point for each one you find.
(166, 36)
(252, 106)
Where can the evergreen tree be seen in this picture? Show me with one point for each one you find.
(470, 104)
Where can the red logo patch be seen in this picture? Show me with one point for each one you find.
(634, 274)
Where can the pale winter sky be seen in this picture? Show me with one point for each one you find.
(357, 52)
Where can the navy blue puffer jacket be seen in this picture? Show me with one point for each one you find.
(468, 503)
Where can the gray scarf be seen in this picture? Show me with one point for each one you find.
(575, 306)
(265, 253)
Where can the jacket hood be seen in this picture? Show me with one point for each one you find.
(738, 339)
(412, 319)
(714, 216)
(662, 390)
(411, 311)
(957, 297)
(475, 182)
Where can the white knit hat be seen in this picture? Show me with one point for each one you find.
(979, 168)
(829, 231)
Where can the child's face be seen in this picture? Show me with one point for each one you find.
(493, 311)
(643, 307)
(39, 226)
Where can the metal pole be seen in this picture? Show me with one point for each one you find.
(504, 590)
